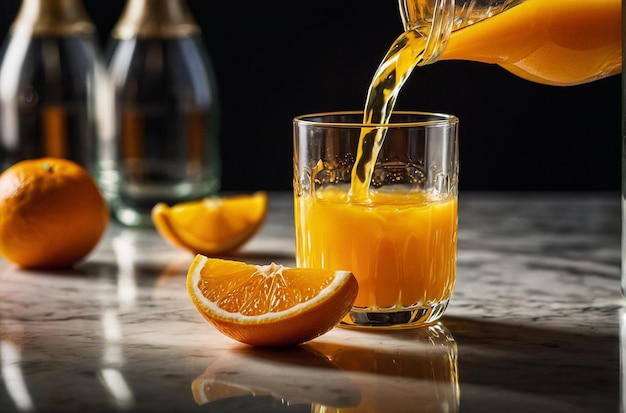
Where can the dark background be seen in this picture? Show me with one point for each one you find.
(276, 60)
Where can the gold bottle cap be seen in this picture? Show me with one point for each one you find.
(155, 19)
(52, 18)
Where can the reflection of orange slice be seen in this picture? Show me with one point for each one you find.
(252, 373)
(213, 225)
(269, 305)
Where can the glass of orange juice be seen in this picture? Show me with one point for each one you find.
(380, 200)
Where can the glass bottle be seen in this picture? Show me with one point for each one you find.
(50, 78)
(165, 145)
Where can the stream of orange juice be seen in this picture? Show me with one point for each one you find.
(554, 42)
(557, 42)
(400, 246)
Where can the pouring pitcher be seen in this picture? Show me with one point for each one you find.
(556, 42)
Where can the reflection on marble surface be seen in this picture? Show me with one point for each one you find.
(533, 326)
(297, 375)
(343, 373)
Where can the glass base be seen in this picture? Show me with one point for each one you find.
(394, 319)
(131, 201)
(132, 217)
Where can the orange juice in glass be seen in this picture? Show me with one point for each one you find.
(399, 235)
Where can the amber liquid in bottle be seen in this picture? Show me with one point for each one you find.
(50, 75)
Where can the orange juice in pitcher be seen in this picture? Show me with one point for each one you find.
(557, 42)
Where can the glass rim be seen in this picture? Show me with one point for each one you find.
(439, 119)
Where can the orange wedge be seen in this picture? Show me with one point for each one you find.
(269, 305)
(211, 226)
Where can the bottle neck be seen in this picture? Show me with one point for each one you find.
(155, 19)
(52, 18)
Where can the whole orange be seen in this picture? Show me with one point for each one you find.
(52, 213)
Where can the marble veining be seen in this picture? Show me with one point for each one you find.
(533, 326)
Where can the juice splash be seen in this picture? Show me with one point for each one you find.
(554, 42)
(402, 249)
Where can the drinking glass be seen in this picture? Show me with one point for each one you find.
(398, 236)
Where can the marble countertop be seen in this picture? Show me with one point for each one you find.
(533, 326)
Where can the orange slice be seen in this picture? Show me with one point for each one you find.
(212, 225)
(269, 305)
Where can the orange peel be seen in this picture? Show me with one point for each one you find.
(269, 305)
(211, 226)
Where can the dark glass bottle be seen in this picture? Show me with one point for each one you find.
(165, 147)
(50, 77)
